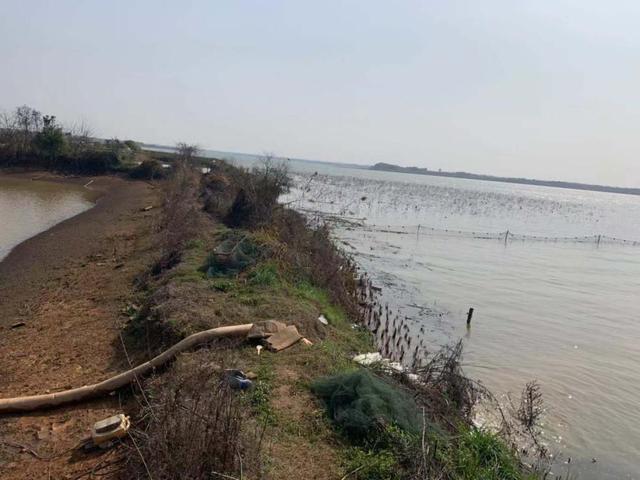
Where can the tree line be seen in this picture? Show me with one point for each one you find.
(30, 139)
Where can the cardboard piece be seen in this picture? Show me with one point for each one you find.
(283, 339)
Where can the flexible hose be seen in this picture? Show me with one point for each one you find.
(37, 402)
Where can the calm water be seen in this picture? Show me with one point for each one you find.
(566, 312)
(28, 207)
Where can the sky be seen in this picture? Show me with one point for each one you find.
(544, 89)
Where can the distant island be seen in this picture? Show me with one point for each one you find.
(388, 167)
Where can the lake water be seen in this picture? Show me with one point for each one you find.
(556, 299)
(564, 309)
(28, 207)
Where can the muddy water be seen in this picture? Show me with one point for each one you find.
(28, 207)
(552, 303)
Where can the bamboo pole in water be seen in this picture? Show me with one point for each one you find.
(37, 402)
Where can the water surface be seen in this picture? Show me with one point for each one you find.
(552, 303)
(28, 207)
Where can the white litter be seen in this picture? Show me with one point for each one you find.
(367, 359)
(323, 320)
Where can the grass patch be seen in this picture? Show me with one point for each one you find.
(222, 285)
(334, 314)
(260, 395)
(481, 454)
(371, 465)
(264, 275)
(195, 244)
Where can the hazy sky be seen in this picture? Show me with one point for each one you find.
(539, 88)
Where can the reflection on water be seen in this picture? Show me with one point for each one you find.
(564, 313)
(28, 207)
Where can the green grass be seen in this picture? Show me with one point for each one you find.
(260, 395)
(481, 455)
(371, 465)
(195, 243)
(334, 314)
(222, 284)
(264, 275)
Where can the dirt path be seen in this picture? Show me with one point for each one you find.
(69, 285)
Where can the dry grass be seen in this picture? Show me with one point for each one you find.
(192, 426)
(443, 388)
(180, 213)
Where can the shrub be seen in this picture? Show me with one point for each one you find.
(445, 389)
(258, 195)
(131, 145)
(193, 426)
(148, 170)
(243, 198)
(180, 220)
(94, 162)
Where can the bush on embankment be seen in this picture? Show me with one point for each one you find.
(148, 169)
(248, 199)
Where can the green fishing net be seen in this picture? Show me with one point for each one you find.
(360, 404)
(231, 256)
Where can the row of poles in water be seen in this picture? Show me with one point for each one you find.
(504, 236)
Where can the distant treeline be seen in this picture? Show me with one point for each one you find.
(387, 167)
(29, 139)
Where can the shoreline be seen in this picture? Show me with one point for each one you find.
(67, 287)
(19, 265)
(92, 196)
(95, 283)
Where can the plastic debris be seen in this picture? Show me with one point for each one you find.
(259, 348)
(367, 359)
(323, 320)
(112, 428)
(237, 380)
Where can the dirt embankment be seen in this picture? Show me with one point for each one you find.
(68, 285)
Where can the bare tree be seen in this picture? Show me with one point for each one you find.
(17, 131)
(186, 152)
(28, 119)
(80, 138)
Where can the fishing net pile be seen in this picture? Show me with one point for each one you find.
(359, 403)
(234, 254)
